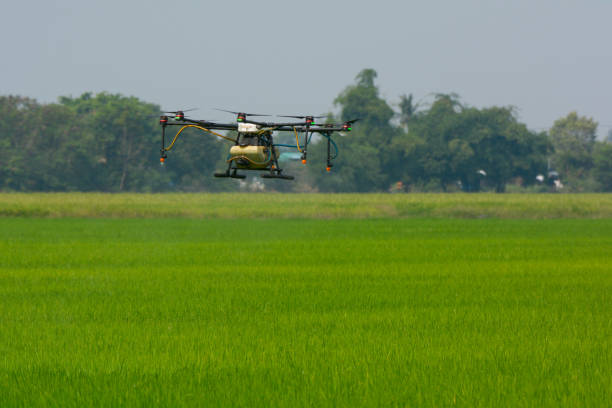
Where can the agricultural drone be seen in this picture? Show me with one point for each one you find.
(254, 147)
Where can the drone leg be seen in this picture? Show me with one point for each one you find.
(275, 171)
(304, 158)
(227, 172)
(274, 168)
(329, 165)
(236, 175)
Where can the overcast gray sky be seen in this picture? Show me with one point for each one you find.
(546, 57)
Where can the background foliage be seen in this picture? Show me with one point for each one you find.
(110, 143)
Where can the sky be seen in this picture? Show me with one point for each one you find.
(546, 58)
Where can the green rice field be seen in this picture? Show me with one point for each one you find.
(305, 300)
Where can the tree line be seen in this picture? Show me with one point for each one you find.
(110, 142)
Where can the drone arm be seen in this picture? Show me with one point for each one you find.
(283, 127)
(208, 125)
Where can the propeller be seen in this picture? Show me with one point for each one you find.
(310, 120)
(173, 113)
(301, 117)
(347, 125)
(241, 113)
(177, 114)
(181, 110)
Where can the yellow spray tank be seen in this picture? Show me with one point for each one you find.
(251, 157)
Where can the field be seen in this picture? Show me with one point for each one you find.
(308, 206)
(347, 300)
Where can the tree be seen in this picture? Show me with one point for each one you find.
(504, 148)
(450, 142)
(362, 101)
(123, 139)
(16, 138)
(573, 139)
(407, 110)
(365, 161)
(602, 169)
(34, 139)
(120, 133)
(427, 147)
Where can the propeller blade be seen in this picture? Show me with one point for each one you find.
(301, 117)
(181, 110)
(225, 110)
(238, 113)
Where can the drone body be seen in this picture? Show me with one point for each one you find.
(254, 148)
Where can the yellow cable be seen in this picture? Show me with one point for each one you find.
(272, 129)
(297, 142)
(197, 127)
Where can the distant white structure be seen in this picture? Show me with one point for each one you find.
(256, 184)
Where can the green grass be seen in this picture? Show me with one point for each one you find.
(312, 206)
(319, 312)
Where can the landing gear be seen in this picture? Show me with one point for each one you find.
(277, 176)
(275, 171)
(274, 174)
(232, 174)
(270, 166)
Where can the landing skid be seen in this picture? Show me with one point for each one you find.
(277, 176)
(234, 174)
(230, 175)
